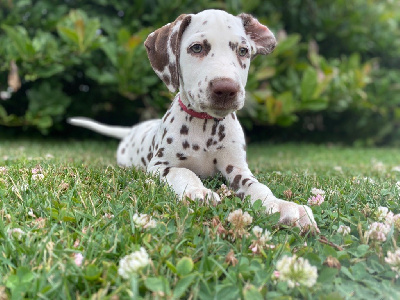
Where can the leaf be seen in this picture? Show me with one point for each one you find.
(20, 40)
(184, 266)
(157, 284)
(92, 273)
(3, 113)
(171, 267)
(228, 292)
(252, 293)
(327, 275)
(308, 84)
(257, 204)
(182, 286)
(360, 251)
(346, 272)
(69, 35)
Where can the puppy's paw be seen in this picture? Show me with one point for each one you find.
(203, 195)
(296, 215)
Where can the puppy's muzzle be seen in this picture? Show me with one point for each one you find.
(223, 93)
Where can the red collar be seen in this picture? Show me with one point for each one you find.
(200, 115)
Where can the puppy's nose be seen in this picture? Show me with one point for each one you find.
(223, 89)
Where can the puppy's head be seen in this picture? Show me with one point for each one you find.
(207, 56)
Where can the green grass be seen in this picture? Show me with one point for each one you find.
(66, 213)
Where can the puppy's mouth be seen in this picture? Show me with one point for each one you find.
(220, 111)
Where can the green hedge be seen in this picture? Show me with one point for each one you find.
(335, 60)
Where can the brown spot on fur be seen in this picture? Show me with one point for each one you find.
(233, 116)
(240, 195)
(160, 152)
(195, 147)
(185, 145)
(215, 161)
(172, 119)
(143, 161)
(235, 183)
(205, 125)
(164, 133)
(149, 156)
(184, 130)
(181, 156)
(229, 169)
(221, 132)
(245, 180)
(214, 128)
(233, 46)
(209, 142)
(166, 116)
(166, 171)
(123, 150)
(169, 140)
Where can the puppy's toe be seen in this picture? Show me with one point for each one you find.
(203, 195)
(298, 215)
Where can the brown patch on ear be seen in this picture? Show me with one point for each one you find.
(261, 36)
(165, 42)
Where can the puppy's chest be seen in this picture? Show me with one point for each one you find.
(194, 137)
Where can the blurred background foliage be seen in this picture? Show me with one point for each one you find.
(333, 77)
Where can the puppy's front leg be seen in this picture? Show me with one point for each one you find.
(185, 183)
(245, 184)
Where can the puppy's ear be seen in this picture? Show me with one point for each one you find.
(163, 47)
(262, 39)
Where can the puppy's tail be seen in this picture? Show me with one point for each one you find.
(108, 130)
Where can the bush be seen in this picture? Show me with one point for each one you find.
(88, 59)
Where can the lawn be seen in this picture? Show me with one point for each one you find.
(69, 215)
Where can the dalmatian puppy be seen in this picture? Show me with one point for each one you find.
(206, 56)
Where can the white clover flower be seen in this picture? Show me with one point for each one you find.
(398, 185)
(393, 259)
(296, 271)
(23, 187)
(265, 237)
(396, 221)
(317, 192)
(37, 176)
(343, 230)
(381, 213)
(257, 231)
(316, 200)
(31, 214)
(239, 219)
(224, 191)
(143, 221)
(133, 263)
(36, 170)
(15, 232)
(377, 231)
(338, 169)
(369, 180)
(108, 216)
(150, 182)
(49, 156)
(78, 259)
(3, 170)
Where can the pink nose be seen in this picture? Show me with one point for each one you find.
(223, 89)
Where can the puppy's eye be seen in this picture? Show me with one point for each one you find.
(243, 51)
(196, 48)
